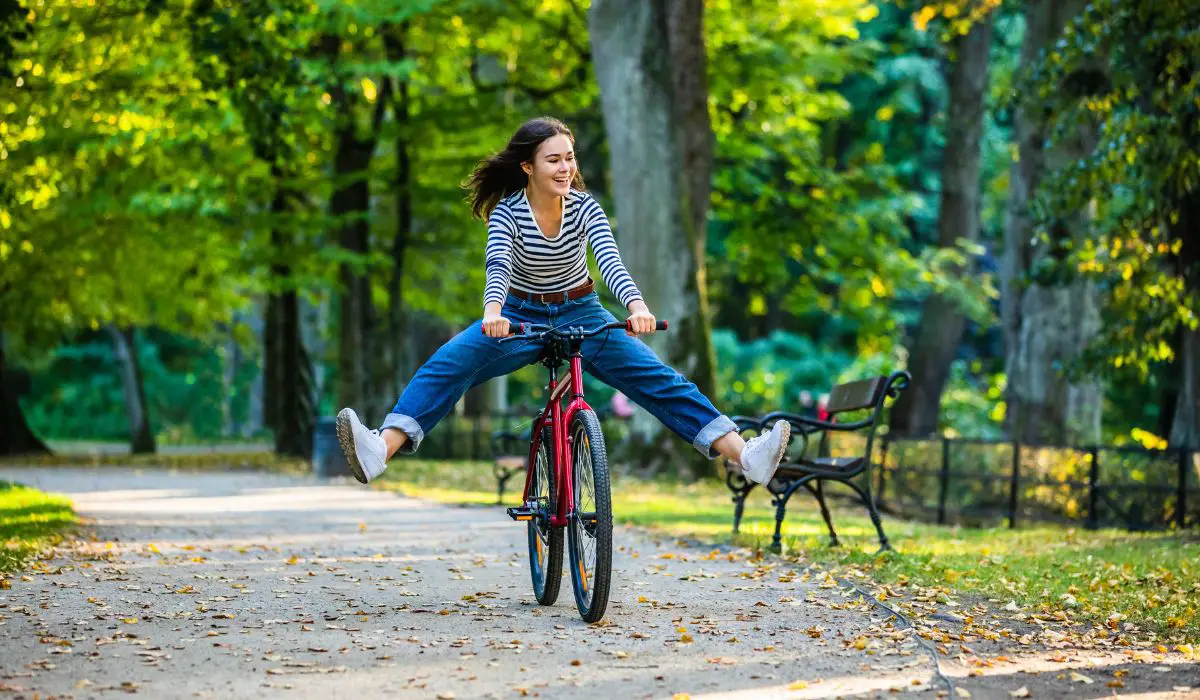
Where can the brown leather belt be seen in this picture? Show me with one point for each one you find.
(556, 297)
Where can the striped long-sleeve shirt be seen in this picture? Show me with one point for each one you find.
(520, 256)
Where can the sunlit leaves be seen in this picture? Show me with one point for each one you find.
(1129, 69)
(107, 155)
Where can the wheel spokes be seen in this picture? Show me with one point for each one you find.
(585, 509)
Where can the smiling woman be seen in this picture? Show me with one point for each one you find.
(29, 520)
(540, 224)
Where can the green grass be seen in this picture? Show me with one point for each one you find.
(29, 521)
(1153, 579)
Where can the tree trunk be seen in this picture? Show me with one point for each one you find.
(256, 409)
(141, 437)
(650, 64)
(1185, 427)
(1048, 320)
(392, 348)
(288, 376)
(230, 359)
(15, 436)
(941, 327)
(350, 205)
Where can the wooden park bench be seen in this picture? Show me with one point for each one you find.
(800, 469)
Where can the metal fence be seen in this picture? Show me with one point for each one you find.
(959, 480)
(988, 481)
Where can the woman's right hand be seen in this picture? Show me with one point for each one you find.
(495, 325)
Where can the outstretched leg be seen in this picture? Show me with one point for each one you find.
(468, 359)
(630, 366)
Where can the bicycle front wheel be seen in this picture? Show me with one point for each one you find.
(591, 527)
(545, 541)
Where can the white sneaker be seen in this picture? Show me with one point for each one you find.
(364, 449)
(762, 454)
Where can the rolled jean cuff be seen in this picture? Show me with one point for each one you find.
(719, 427)
(410, 427)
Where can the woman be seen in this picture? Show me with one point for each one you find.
(540, 221)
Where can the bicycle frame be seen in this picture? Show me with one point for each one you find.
(558, 419)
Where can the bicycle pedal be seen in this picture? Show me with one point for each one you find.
(522, 513)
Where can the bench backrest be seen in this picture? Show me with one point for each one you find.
(852, 396)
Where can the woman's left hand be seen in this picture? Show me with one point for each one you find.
(641, 321)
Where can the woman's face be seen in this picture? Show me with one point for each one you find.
(553, 166)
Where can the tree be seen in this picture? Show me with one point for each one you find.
(250, 52)
(651, 68)
(1126, 71)
(940, 330)
(141, 435)
(109, 210)
(1051, 313)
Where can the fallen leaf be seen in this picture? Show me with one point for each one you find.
(1021, 692)
(797, 685)
(1077, 677)
(962, 692)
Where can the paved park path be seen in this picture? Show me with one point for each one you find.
(253, 585)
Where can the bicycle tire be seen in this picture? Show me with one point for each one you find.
(545, 541)
(590, 459)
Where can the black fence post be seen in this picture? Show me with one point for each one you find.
(1014, 484)
(1093, 518)
(1185, 465)
(943, 481)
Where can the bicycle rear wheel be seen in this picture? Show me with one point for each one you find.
(591, 526)
(545, 541)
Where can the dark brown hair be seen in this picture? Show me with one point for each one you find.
(500, 175)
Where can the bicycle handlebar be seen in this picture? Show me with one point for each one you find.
(528, 329)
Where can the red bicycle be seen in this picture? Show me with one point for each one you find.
(566, 441)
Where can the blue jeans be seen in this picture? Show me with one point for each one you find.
(624, 363)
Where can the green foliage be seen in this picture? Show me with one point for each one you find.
(789, 217)
(772, 371)
(144, 145)
(113, 204)
(77, 392)
(972, 405)
(1128, 70)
